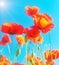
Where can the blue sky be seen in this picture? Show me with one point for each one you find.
(15, 12)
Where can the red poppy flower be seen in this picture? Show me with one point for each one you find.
(5, 40)
(33, 34)
(31, 10)
(33, 31)
(12, 28)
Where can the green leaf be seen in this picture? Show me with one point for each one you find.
(32, 54)
(18, 51)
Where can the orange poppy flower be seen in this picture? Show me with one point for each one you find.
(49, 63)
(48, 55)
(12, 28)
(51, 55)
(37, 39)
(20, 39)
(44, 22)
(4, 61)
(35, 60)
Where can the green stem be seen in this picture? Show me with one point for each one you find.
(9, 53)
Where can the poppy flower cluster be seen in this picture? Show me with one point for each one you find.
(42, 22)
(10, 29)
(33, 60)
(49, 55)
(13, 28)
